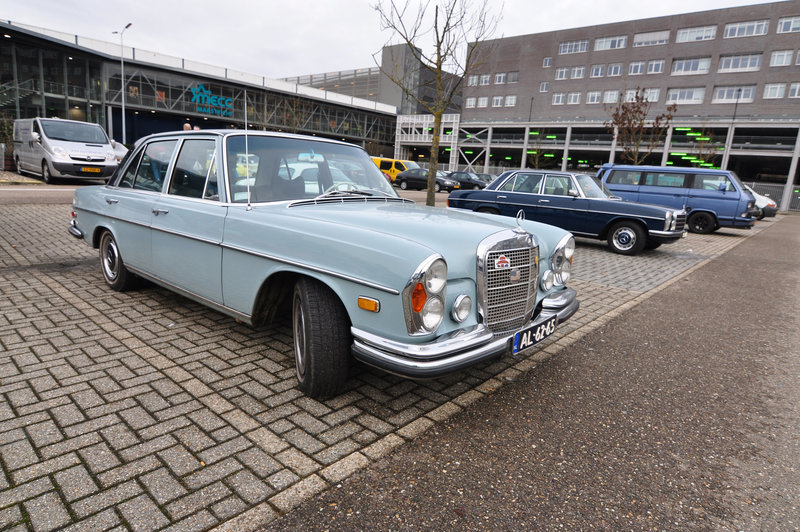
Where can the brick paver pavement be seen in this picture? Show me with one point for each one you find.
(146, 411)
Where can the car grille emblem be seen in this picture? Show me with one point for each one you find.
(502, 263)
(514, 275)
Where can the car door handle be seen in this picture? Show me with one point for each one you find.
(502, 197)
(544, 201)
(160, 211)
(111, 201)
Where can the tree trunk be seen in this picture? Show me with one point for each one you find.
(437, 130)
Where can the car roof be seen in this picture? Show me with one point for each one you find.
(676, 169)
(231, 132)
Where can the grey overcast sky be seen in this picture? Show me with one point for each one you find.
(281, 38)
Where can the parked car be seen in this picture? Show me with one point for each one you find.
(467, 180)
(392, 167)
(766, 206)
(487, 177)
(579, 204)
(417, 178)
(314, 231)
(713, 198)
(54, 148)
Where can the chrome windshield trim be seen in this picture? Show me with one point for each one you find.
(316, 269)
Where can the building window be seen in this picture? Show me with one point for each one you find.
(611, 43)
(472, 81)
(656, 66)
(781, 58)
(562, 73)
(483, 101)
(733, 94)
(686, 67)
(547, 62)
(794, 90)
(652, 95)
(513, 77)
(544, 86)
(598, 71)
(746, 29)
(485, 79)
(577, 72)
(630, 95)
(500, 78)
(740, 63)
(497, 101)
(614, 69)
(774, 90)
(789, 25)
(573, 98)
(558, 98)
(573, 47)
(636, 68)
(610, 96)
(511, 100)
(702, 33)
(593, 97)
(651, 38)
(685, 96)
(469, 103)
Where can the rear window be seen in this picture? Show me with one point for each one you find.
(712, 182)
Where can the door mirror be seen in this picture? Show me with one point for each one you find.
(572, 192)
(35, 136)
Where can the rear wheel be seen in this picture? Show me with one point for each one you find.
(114, 271)
(437, 187)
(701, 222)
(488, 210)
(321, 339)
(626, 238)
(476, 187)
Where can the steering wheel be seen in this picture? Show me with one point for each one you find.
(344, 187)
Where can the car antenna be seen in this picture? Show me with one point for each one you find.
(246, 154)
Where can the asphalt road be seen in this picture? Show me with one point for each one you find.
(683, 413)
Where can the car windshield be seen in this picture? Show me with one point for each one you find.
(74, 131)
(592, 187)
(280, 169)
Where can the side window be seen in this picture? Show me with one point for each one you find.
(712, 182)
(399, 166)
(659, 179)
(386, 165)
(508, 185)
(556, 185)
(528, 183)
(130, 172)
(624, 177)
(192, 168)
(153, 166)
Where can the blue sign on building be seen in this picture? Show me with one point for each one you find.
(211, 104)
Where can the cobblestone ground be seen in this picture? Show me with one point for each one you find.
(146, 411)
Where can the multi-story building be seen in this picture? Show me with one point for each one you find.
(544, 100)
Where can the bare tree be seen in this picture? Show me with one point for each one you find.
(456, 28)
(636, 135)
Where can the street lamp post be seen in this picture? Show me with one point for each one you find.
(122, 74)
(530, 111)
(736, 104)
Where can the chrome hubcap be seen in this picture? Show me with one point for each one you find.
(299, 339)
(110, 259)
(625, 238)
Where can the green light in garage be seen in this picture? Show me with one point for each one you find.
(469, 136)
(549, 155)
(468, 152)
(721, 148)
(688, 158)
(693, 134)
(568, 158)
(703, 138)
(533, 133)
(508, 158)
(448, 132)
(550, 137)
(448, 149)
(676, 153)
(707, 164)
(532, 152)
(683, 129)
(669, 163)
(430, 129)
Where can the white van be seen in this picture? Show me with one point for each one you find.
(54, 148)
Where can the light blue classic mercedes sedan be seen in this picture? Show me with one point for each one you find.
(264, 225)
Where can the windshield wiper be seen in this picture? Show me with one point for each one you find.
(341, 193)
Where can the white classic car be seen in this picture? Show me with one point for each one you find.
(259, 225)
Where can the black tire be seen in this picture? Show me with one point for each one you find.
(322, 339)
(626, 238)
(47, 177)
(651, 244)
(701, 222)
(115, 273)
(404, 185)
(16, 166)
(476, 187)
(487, 210)
(760, 214)
(437, 187)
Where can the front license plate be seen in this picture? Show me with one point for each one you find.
(533, 334)
(90, 169)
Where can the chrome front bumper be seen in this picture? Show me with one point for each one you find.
(451, 352)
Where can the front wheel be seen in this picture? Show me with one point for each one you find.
(404, 185)
(115, 273)
(437, 187)
(476, 187)
(321, 339)
(17, 167)
(626, 238)
(47, 177)
(701, 222)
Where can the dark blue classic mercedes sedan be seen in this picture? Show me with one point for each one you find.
(578, 203)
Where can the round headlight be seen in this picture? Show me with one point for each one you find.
(436, 277)
(432, 313)
(569, 248)
(547, 280)
(564, 274)
(462, 308)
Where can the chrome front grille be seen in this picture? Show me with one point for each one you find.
(680, 222)
(508, 271)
